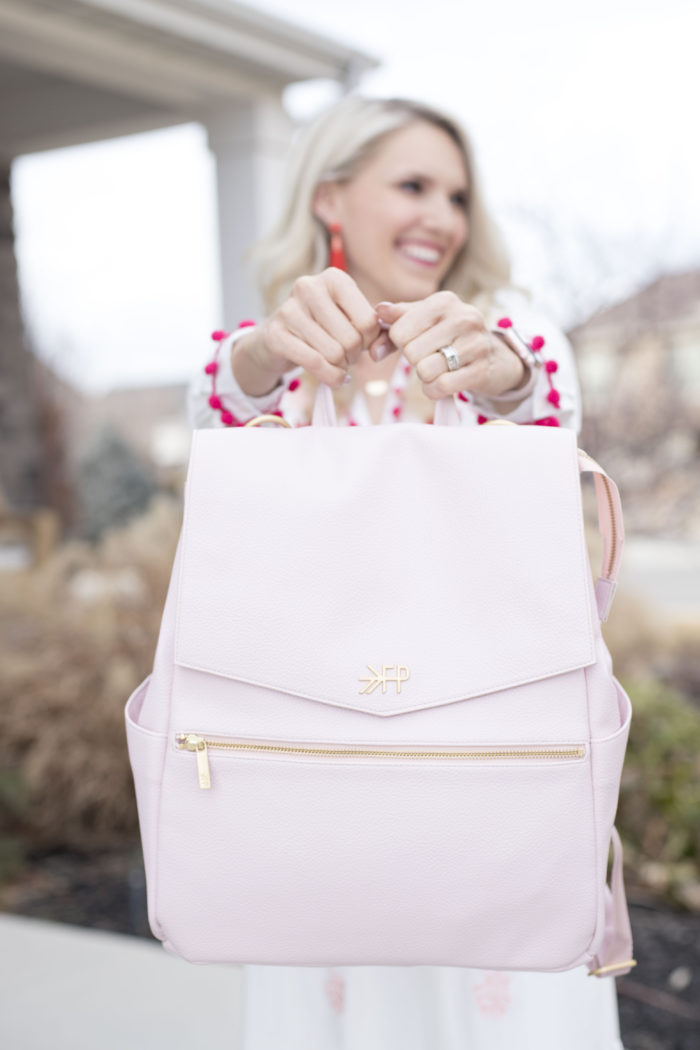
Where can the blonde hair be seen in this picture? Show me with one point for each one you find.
(332, 148)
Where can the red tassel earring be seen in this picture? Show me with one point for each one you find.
(337, 249)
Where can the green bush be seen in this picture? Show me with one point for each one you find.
(659, 810)
(13, 809)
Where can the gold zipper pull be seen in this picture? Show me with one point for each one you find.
(192, 742)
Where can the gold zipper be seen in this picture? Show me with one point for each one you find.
(200, 745)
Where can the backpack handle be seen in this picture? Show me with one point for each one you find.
(612, 530)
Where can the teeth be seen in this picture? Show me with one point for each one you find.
(418, 251)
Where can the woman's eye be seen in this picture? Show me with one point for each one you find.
(460, 200)
(412, 185)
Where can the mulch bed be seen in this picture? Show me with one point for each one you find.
(659, 1000)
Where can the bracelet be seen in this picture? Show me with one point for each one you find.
(515, 342)
(529, 354)
(212, 368)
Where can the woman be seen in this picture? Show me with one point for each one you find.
(386, 280)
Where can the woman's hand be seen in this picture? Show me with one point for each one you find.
(487, 365)
(324, 325)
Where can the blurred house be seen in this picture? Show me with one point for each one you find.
(96, 449)
(150, 420)
(627, 349)
(639, 363)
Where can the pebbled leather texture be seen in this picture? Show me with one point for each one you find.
(451, 564)
(349, 538)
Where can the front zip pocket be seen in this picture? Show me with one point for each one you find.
(445, 850)
(201, 745)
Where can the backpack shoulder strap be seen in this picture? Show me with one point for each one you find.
(614, 956)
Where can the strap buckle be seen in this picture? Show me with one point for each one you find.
(603, 971)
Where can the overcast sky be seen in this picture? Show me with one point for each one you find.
(585, 123)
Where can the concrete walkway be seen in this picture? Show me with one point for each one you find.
(67, 988)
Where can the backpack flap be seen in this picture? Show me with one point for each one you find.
(313, 558)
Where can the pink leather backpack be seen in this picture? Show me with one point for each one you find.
(382, 725)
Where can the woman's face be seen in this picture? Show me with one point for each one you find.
(403, 215)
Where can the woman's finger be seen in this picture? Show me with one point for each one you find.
(301, 352)
(336, 304)
(389, 313)
(492, 371)
(468, 378)
(303, 325)
(347, 297)
(409, 320)
(322, 314)
(381, 347)
(424, 351)
(406, 320)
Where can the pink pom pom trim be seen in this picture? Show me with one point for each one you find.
(212, 368)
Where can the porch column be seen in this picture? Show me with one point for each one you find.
(250, 141)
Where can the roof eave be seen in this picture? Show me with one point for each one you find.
(178, 53)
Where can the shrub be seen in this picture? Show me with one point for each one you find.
(78, 634)
(659, 811)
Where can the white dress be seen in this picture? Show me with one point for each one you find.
(421, 1007)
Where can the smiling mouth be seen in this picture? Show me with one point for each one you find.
(421, 254)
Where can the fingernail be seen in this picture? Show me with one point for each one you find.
(346, 379)
(384, 325)
(381, 350)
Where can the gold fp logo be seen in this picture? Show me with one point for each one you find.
(384, 677)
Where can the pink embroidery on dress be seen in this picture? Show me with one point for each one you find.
(335, 990)
(493, 995)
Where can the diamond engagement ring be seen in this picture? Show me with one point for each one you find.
(450, 355)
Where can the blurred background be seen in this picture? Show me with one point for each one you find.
(141, 150)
